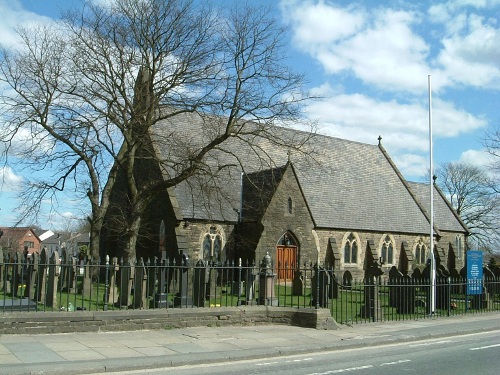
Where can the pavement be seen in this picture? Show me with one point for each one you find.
(104, 352)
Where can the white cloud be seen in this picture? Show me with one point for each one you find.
(402, 125)
(9, 181)
(13, 16)
(394, 49)
(472, 57)
(480, 158)
(379, 47)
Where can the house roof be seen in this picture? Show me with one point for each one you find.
(13, 235)
(346, 184)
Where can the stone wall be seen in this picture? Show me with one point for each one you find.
(126, 320)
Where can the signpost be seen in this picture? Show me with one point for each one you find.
(474, 274)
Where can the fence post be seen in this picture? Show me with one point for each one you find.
(106, 285)
(238, 303)
(448, 279)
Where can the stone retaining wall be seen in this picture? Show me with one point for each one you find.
(127, 320)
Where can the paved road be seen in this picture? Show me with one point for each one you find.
(475, 353)
(86, 353)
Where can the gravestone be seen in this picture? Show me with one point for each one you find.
(64, 269)
(182, 298)
(126, 281)
(152, 275)
(140, 286)
(298, 283)
(17, 274)
(113, 288)
(53, 281)
(86, 289)
(31, 277)
(42, 276)
(211, 285)
(401, 292)
(251, 275)
(201, 273)
(161, 295)
(320, 287)
(372, 308)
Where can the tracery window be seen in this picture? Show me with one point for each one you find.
(420, 252)
(387, 251)
(351, 250)
(212, 245)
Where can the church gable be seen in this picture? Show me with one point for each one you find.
(287, 216)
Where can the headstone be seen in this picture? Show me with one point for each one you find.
(113, 288)
(152, 275)
(86, 290)
(161, 295)
(211, 285)
(17, 274)
(267, 278)
(31, 278)
(53, 280)
(126, 279)
(140, 286)
(372, 308)
(201, 273)
(251, 274)
(405, 299)
(182, 298)
(298, 283)
(319, 287)
(42, 276)
(64, 279)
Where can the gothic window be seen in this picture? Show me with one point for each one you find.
(212, 245)
(458, 246)
(290, 206)
(420, 253)
(287, 240)
(387, 251)
(351, 250)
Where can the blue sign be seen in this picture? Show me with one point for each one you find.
(474, 272)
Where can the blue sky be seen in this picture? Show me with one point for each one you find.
(369, 61)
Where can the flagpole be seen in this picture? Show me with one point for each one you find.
(432, 280)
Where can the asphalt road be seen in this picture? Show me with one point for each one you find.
(477, 353)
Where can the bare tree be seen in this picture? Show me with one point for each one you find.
(492, 144)
(89, 90)
(472, 194)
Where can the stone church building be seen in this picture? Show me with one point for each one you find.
(301, 197)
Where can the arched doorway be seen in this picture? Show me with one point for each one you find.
(287, 256)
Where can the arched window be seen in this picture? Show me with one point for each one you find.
(420, 252)
(351, 250)
(290, 205)
(387, 251)
(212, 245)
(458, 246)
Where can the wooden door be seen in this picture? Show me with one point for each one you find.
(286, 261)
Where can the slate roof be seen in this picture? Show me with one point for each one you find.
(444, 216)
(347, 185)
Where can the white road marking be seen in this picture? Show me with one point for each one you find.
(339, 371)
(485, 347)
(396, 362)
(430, 343)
